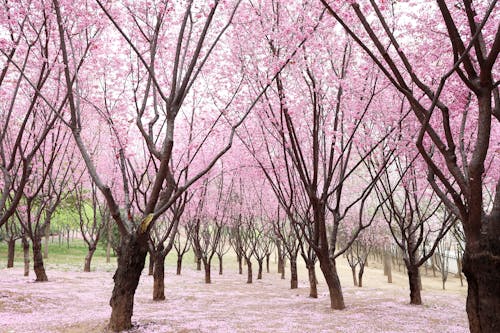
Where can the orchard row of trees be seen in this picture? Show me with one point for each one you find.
(313, 119)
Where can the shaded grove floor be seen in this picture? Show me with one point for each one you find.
(78, 302)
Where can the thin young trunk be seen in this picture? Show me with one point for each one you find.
(151, 264)
(259, 274)
(38, 267)
(413, 278)
(313, 287)
(131, 260)
(206, 266)
(249, 270)
(240, 263)
(354, 278)
(67, 238)
(11, 252)
(46, 242)
(220, 264)
(294, 280)
(281, 266)
(159, 277)
(179, 264)
(26, 254)
(387, 267)
(360, 275)
(88, 259)
(267, 262)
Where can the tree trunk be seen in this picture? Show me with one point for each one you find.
(313, 287)
(259, 274)
(360, 275)
(151, 264)
(267, 262)
(482, 270)
(240, 264)
(220, 264)
(198, 263)
(294, 280)
(354, 278)
(249, 270)
(11, 252)
(67, 238)
(46, 241)
(38, 267)
(159, 277)
(26, 254)
(208, 277)
(131, 259)
(387, 267)
(88, 259)
(413, 278)
(281, 266)
(179, 264)
(329, 270)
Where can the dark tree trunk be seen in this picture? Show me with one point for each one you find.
(249, 270)
(240, 264)
(360, 275)
(88, 259)
(206, 266)
(294, 279)
(159, 276)
(259, 273)
(482, 270)
(151, 267)
(413, 278)
(26, 254)
(329, 270)
(131, 259)
(179, 264)
(220, 264)
(267, 262)
(11, 252)
(198, 264)
(354, 278)
(281, 265)
(313, 288)
(38, 267)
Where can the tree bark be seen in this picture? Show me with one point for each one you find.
(131, 259)
(360, 275)
(11, 244)
(151, 264)
(179, 264)
(88, 259)
(198, 264)
(329, 270)
(240, 264)
(354, 278)
(249, 270)
(313, 287)
(159, 277)
(413, 279)
(220, 264)
(387, 267)
(294, 280)
(38, 267)
(206, 266)
(259, 273)
(26, 254)
(267, 262)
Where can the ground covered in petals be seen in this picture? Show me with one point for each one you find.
(78, 302)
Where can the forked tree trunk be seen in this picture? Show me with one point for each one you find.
(313, 286)
(207, 267)
(294, 279)
(329, 270)
(249, 270)
(131, 259)
(159, 277)
(354, 278)
(88, 259)
(11, 244)
(259, 273)
(179, 264)
(26, 254)
(38, 267)
(220, 264)
(413, 279)
(482, 270)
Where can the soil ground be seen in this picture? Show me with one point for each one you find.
(74, 302)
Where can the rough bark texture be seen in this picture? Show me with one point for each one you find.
(131, 259)
(413, 279)
(38, 267)
(294, 279)
(11, 244)
(159, 277)
(88, 259)
(26, 254)
(179, 265)
(249, 270)
(313, 286)
(329, 270)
